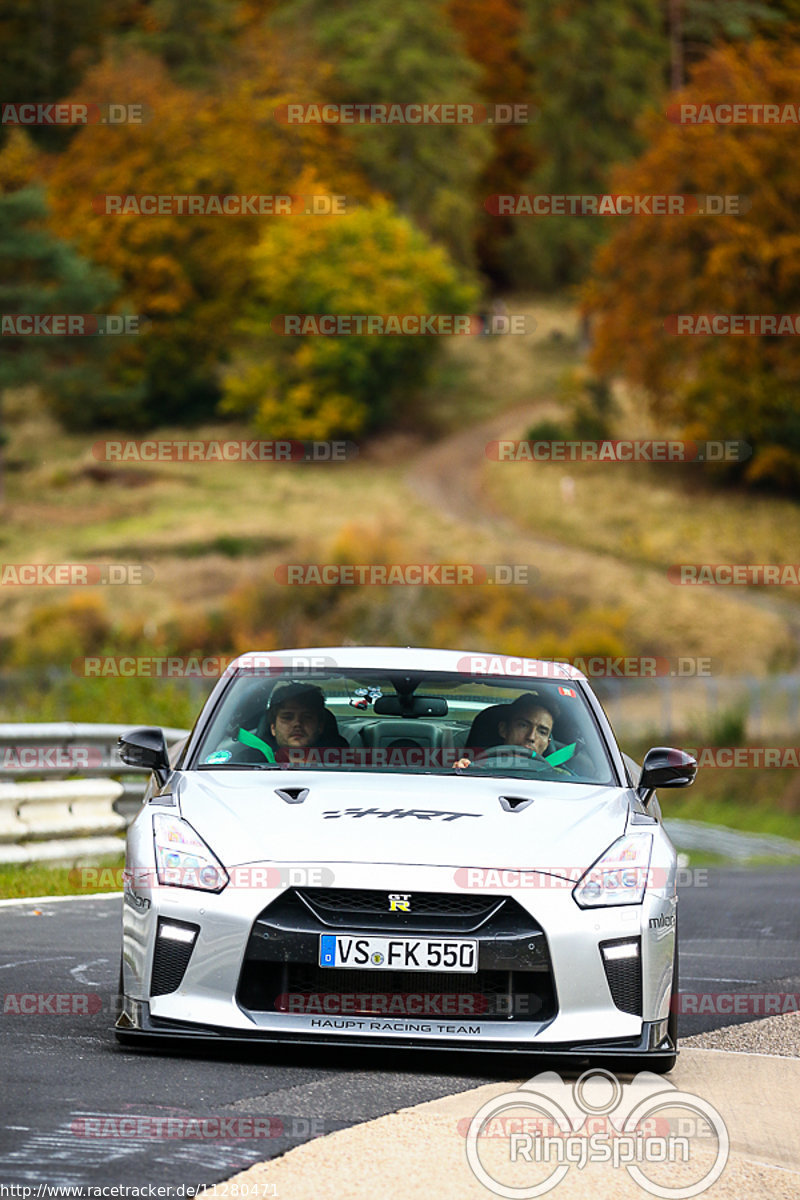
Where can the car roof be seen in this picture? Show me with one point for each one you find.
(409, 658)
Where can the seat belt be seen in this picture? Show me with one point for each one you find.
(256, 743)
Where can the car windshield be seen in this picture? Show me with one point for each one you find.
(420, 723)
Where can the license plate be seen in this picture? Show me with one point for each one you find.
(397, 954)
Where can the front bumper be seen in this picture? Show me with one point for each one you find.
(247, 953)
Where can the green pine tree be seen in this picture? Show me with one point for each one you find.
(39, 275)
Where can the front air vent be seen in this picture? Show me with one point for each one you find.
(292, 795)
(514, 803)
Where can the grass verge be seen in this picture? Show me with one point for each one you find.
(20, 880)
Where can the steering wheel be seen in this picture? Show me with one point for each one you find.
(519, 755)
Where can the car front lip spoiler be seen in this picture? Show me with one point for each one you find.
(136, 1023)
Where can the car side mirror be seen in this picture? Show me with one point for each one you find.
(665, 767)
(146, 748)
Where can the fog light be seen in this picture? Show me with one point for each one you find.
(621, 950)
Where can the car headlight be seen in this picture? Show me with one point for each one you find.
(182, 857)
(620, 874)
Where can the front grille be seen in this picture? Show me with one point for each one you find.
(344, 907)
(487, 995)
(624, 977)
(170, 960)
(281, 971)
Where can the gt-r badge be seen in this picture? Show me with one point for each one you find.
(399, 902)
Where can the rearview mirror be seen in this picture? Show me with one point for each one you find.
(410, 706)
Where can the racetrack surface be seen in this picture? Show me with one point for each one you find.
(70, 1088)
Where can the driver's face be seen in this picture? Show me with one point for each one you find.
(530, 728)
(296, 725)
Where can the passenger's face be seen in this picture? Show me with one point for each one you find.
(531, 727)
(296, 725)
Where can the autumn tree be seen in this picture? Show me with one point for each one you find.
(493, 33)
(740, 262)
(596, 68)
(186, 273)
(46, 49)
(371, 261)
(400, 52)
(696, 26)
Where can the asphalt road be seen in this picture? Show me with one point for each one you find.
(70, 1091)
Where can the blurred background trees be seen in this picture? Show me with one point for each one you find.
(600, 76)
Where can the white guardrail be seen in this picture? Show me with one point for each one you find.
(64, 792)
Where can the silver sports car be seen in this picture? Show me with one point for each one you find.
(409, 847)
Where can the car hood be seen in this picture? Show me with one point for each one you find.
(421, 820)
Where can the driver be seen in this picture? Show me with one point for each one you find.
(528, 723)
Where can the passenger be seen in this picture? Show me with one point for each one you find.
(296, 715)
(296, 719)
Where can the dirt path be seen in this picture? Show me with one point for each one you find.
(449, 477)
